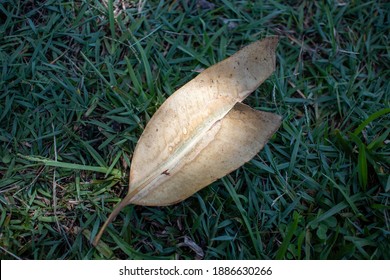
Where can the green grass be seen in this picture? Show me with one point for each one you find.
(80, 80)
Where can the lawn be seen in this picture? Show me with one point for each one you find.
(79, 80)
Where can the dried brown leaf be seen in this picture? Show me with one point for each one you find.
(202, 132)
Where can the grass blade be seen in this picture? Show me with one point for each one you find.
(291, 230)
(115, 172)
(370, 119)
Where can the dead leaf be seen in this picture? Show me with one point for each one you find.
(206, 5)
(188, 242)
(202, 132)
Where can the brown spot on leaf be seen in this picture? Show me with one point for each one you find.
(165, 173)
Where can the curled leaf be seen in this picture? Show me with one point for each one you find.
(202, 132)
